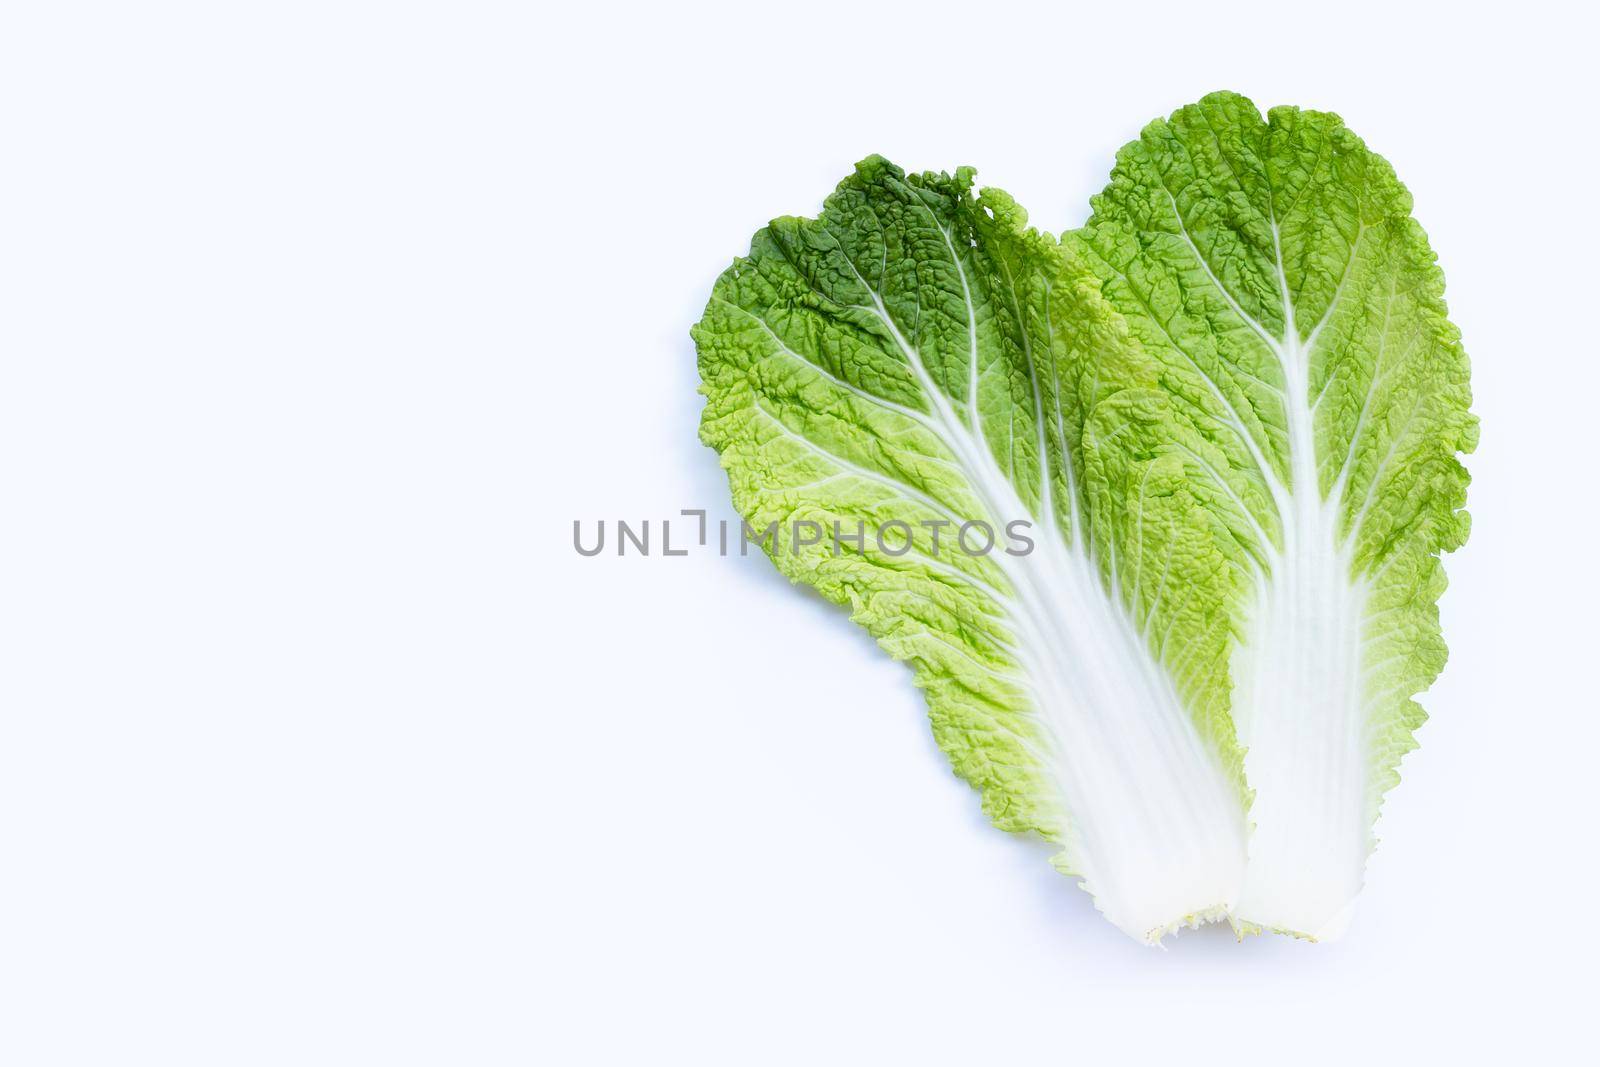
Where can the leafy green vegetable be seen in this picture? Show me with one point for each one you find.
(1230, 410)
(1274, 271)
(916, 354)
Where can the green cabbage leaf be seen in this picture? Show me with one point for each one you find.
(1273, 268)
(917, 355)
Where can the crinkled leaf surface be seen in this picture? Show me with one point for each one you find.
(1274, 270)
(917, 355)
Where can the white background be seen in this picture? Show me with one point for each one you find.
(319, 744)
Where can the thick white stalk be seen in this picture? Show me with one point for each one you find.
(1298, 708)
(1154, 828)
(1156, 831)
